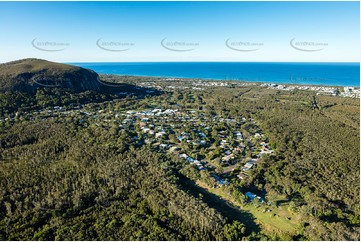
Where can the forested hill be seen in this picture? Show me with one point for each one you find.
(34, 83)
(29, 74)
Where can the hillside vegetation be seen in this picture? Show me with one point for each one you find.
(27, 75)
(87, 171)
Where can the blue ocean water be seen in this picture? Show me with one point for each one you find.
(330, 74)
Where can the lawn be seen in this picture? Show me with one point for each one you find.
(273, 220)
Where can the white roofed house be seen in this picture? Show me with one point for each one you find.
(249, 165)
(185, 156)
(146, 130)
(156, 110)
(160, 134)
(163, 146)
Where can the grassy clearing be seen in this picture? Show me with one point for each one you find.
(273, 220)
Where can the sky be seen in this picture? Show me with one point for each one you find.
(180, 31)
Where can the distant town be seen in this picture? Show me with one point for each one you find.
(351, 92)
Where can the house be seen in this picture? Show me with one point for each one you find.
(180, 137)
(247, 166)
(239, 135)
(348, 89)
(183, 156)
(223, 182)
(145, 120)
(227, 158)
(146, 130)
(159, 134)
(127, 121)
(190, 159)
(250, 195)
(202, 135)
(228, 152)
(156, 110)
(242, 176)
(201, 167)
(169, 111)
(220, 181)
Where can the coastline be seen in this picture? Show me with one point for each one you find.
(199, 84)
(229, 80)
(282, 73)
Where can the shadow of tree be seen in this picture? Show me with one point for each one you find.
(282, 202)
(116, 84)
(220, 205)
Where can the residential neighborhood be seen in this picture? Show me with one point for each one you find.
(208, 143)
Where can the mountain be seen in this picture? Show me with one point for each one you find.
(29, 74)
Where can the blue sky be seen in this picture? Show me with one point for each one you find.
(191, 31)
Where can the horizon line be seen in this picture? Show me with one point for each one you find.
(202, 61)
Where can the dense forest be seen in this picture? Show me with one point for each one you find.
(71, 178)
(60, 182)
(317, 164)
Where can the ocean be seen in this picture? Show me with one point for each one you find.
(329, 74)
